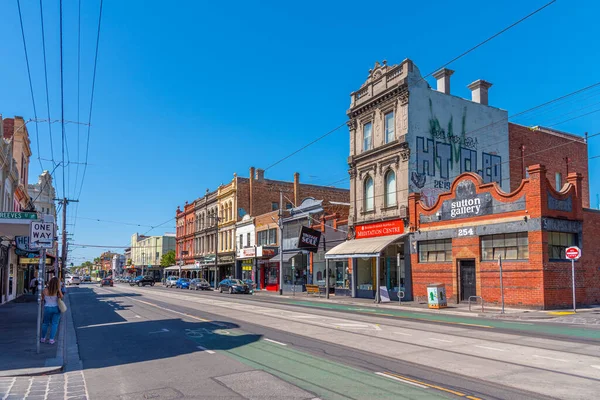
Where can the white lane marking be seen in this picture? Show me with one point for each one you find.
(206, 350)
(106, 324)
(308, 316)
(136, 316)
(402, 333)
(400, 380)
(163, 330)
(489, 348)
(169, 310)
(518, 323)
(550, 358)
(441, 340)
(354, 325)
(274, 341)
(595, 366)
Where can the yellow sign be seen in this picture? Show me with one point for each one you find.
(36, 261)
(246, 267)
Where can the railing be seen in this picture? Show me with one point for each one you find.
(476, 297)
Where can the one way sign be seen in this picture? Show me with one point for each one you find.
(41, 234)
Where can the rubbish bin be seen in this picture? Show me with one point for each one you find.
(436, 295)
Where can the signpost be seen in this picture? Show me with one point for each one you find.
(41, 234)
(501, 282)
(573, 253)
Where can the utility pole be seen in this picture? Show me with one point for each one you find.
(280, 223)
(64, 201)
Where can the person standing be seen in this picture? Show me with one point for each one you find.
(50, 296)
(33, 285)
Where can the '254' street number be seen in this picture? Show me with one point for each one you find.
(466, 232)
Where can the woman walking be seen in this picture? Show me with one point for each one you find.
(50, 296)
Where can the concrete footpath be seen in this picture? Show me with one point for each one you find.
(583, 316)
(18, 322)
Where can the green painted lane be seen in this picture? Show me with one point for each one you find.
(457, 320)
(327, 379)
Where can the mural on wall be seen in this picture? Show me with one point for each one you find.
(443, 155)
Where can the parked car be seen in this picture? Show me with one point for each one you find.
(233, 286)
(87, 278)
(142, 281)
(106, 282)
(182, 283)
(199, 284)
(73, 280)
(171, 280)
(250, 284)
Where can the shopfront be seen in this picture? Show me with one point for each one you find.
(226, 267)
(245, 263)
(267, 268)
(375, 259)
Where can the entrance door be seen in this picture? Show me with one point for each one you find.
(467, 279)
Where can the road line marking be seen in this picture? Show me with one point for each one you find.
(100, 325)
(163, 330)
(402, 333)
(550, 358)
(427, 384)
(441, 340)
(401, 380)
(489, 348)
(518, 323)
(173, 311)
(206, 350)
(473, 398)
(275, 341)
(595, 366)
(464, 323)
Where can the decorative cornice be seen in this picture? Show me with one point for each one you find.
(405, 151)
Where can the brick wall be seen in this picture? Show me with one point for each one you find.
(549, 149)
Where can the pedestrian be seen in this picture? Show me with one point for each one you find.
(50, 296)
(33, 285)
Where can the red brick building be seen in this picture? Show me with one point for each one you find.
(458, 241)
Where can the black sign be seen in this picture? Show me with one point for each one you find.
(309, 239)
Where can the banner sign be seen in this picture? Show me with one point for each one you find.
(309, 239)
(22, 243)
(393, 227)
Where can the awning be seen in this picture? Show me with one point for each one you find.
(370, 247)
(172, 268)
(286, 257)
(190, 267)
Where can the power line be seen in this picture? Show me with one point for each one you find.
(62, 99)
(37, 134)
(46, 80)
(78, 95)
(87, 148)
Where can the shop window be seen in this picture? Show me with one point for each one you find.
(389, 127)
(435, 250)
(511, 246)
(368, 194)
(558, 243)
(367, 136)
(274, 206)
(390, 189)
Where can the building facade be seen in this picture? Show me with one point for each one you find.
(146, 252)
(459, 241)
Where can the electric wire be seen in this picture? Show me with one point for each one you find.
(46, 83)
(62, 99)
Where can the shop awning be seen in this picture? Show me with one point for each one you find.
(286, 256)
(188, 267)
(172, 268)
(370, 247)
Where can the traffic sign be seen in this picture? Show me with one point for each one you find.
(41, 234)
(573, 253)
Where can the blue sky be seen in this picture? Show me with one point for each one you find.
(187, 95)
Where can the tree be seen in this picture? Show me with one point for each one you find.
(168, 259)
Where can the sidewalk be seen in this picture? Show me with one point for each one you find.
(18, 341)
(586, 316)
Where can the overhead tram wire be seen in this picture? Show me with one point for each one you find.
(78, 96)
(62, 99)
(46, 80)
(37, 133)
(87, 148)
(422, 78)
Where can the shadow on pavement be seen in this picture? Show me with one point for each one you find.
(111, 333)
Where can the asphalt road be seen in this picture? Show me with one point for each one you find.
(164, 343)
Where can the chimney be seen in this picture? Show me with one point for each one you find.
(443, 80)
(260, 175)
(296, 188)
(251, 191)
(479, 91)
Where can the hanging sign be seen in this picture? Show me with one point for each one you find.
(309, 239)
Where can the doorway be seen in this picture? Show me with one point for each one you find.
(467, 278)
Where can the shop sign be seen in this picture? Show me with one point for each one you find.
(465, 232)
(394, 227)
(467, 203)
(22, 243)
(225, 259)
(309, 239)
(247, 265)
(266, 252)
(248, 252)
(29, 261)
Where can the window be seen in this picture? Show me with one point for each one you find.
(367, 136)
(389, 127)
(558, 242)
(248, 238)
(274, 206)
(390, 189)
(435, 250)
(266, 237)
(288, 206)
(558, 180)
(241, 241)
(368, 194)
(511, 246)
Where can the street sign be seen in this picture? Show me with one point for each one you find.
(573, 253)
(41, 234)
(18, 215)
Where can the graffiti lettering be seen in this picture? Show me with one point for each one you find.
(441, 185)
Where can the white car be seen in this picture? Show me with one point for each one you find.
(171, 281)
(73, 280)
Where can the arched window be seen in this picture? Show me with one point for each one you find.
(230, 211)
(368, 194)
(390, 189)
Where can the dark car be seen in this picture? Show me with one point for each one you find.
(106, 282)
(142, 281)
(199, 284)
(233, 286)
(250, 284)
(182, 283)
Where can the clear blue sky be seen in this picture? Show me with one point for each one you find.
(190, 92)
